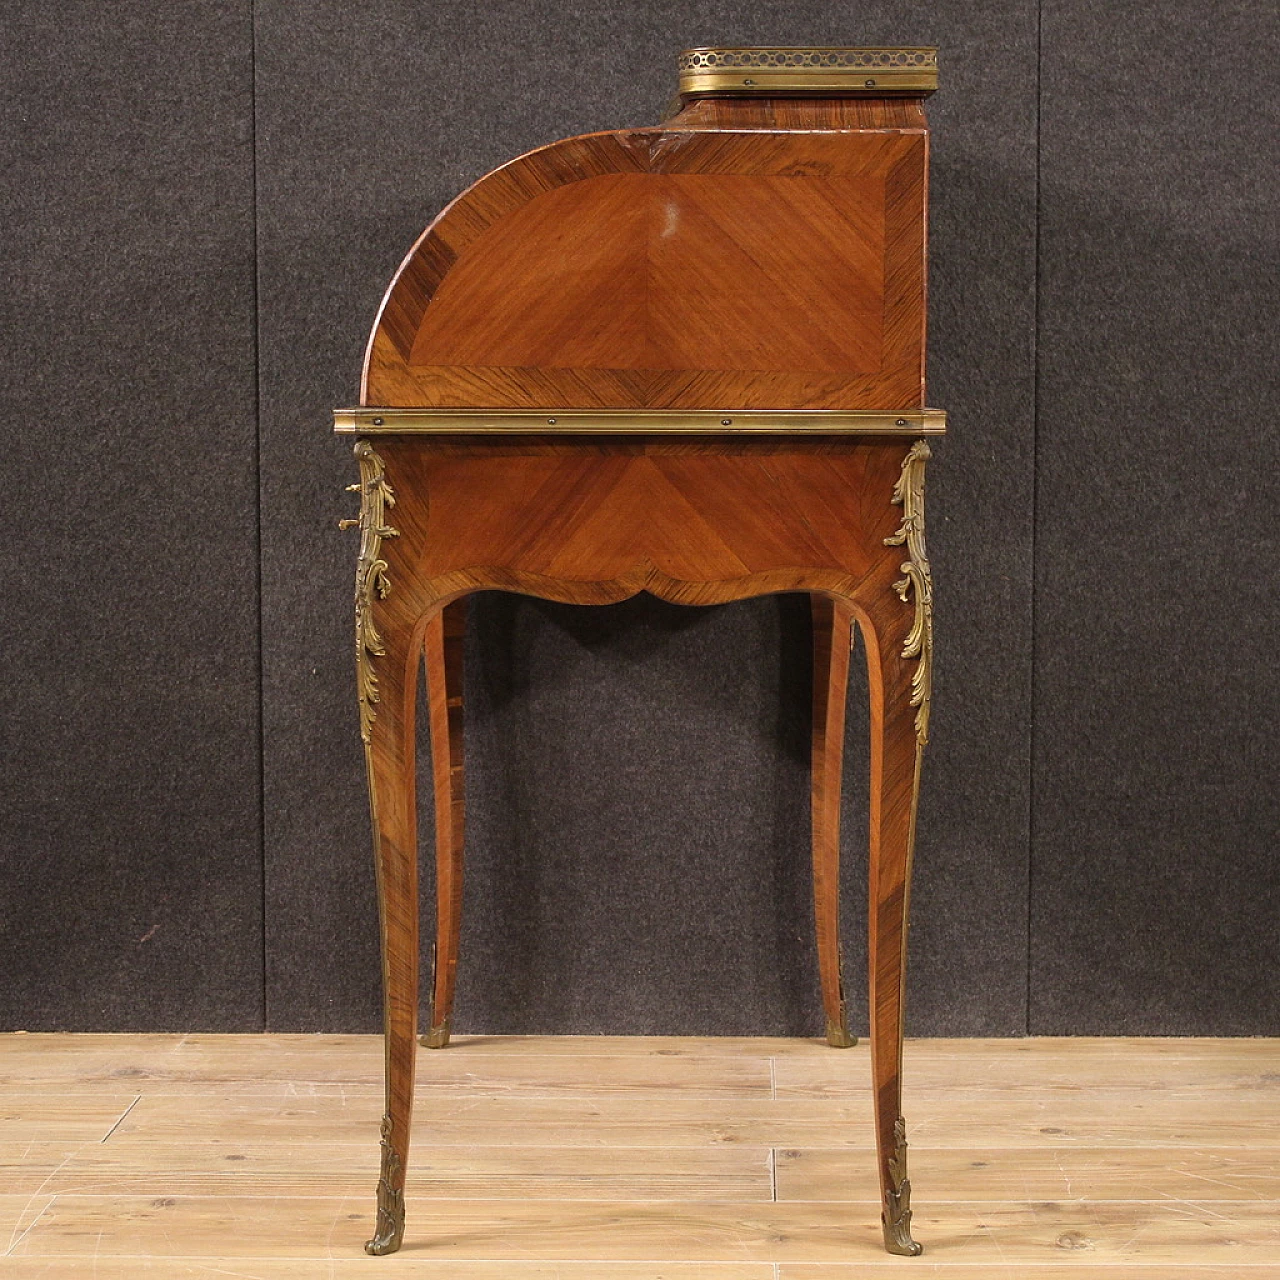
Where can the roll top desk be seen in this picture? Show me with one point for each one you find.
(686, 359)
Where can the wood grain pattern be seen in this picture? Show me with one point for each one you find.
(63, 1070)
(131, 1266)
(1016, 1269)
(26, 1168)
(654, 295)
(799, 113)
(595, 523)
(266, 1179)
(895, 762)
(219, 1159)
(43, 1117)
(18, 1213)
(1074, 1070)
(390, 757)
(707, 263)
(1071, 1173)
(259, 1167)
(232, 1227)
(461, 1114)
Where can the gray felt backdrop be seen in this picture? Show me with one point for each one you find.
(202, 205)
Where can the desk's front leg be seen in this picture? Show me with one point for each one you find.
(387, 660)
(898, 630)
(389, 757)
(894, 773)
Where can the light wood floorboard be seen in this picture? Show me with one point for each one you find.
(608, 1158)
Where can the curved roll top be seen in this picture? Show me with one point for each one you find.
(725, 260)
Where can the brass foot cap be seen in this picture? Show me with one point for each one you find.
(383, 1244)
(909, 1249)
(897, 1240)
(839, 1037)
(437, 1037)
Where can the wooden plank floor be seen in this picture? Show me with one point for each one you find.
(636, 1159)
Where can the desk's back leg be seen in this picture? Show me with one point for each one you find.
(832, 629)
(387, 661)
(443, 647)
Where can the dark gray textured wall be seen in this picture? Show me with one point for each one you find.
(131, 848)
(637, 774)
(1156, 903)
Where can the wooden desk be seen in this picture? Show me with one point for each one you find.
(687, 360)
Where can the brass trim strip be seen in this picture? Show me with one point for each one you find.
(642, 422)
(825, 70)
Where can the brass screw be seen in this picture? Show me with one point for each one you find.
(869, 84)
(551, 422)
(377, 422)
(726, 422)
(902, 422)
(748, 82)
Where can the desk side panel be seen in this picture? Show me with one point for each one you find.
(671, 269)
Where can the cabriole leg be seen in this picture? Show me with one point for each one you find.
(443, 648)
(389, 755)
(832, 631)
(386, 673)
(898, 631)
(895, 756)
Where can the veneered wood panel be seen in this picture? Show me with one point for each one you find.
(545, 289)
(604, 511)
(670, 268)
(800, 113)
